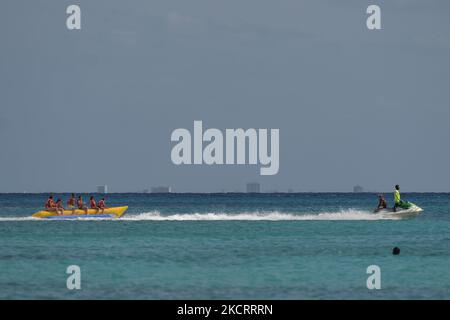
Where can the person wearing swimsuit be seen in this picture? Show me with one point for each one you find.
(80, 205)
(71, 203)
(51, 206)
(102, 205)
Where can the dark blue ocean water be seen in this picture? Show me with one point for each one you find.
(228, 246)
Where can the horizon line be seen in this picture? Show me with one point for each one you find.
(218, 192)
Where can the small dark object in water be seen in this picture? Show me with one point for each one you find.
(396, 251)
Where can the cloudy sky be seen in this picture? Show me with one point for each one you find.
(98, 105)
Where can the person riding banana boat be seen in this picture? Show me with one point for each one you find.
(76, 209)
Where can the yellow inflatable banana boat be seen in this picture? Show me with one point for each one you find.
(114, 212)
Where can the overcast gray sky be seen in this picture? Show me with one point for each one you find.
(97, 106)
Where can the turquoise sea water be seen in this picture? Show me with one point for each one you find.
(228, 246)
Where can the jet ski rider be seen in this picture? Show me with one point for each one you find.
(397, 200)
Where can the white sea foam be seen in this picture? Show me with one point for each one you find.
(12, 219)
(346, 214)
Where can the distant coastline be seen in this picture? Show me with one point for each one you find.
(231, 192)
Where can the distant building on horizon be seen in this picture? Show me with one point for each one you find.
(102, 189)
(358, 189)
(161, 189)
(253, 187)
(145, 191)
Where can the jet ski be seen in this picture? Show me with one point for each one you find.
(405, 210)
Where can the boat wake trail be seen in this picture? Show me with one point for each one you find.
(348, 214)
(15, 219)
